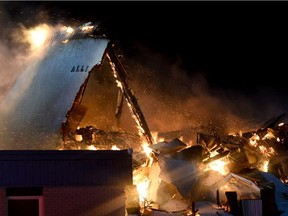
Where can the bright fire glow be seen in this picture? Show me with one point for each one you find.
(91, 147)
(218, 166)
(213, 154)
(267, 152)
(190, 213)
(264, 167)
(114, 147)
(253, 141)
(269, 135)
(69, 30)
(37, 36)
(120, 85)
(142, 188)
(155, 137)
(87, 28)
(148, 151)
(65, 41)
(140, 176)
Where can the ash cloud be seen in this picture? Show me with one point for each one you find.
(172, 98)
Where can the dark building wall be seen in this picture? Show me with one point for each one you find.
(84, 201)
(3, 202)
(69, 183)
(65, 168)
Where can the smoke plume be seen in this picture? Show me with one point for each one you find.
(172, 98)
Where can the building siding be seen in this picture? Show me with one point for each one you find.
(3, 202)
(84, 201)
(72, 182)
(65, 168)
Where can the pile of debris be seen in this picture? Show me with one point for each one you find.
(223, 172)
(229, 172)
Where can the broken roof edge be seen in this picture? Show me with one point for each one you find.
(240, 178)
(82, 88)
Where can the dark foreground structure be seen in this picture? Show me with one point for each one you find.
(64, 183)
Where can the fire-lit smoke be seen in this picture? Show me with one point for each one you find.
(24, 29)
(172, 98)
(22, 60)
(37, 36)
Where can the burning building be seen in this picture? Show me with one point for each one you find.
(75, 95)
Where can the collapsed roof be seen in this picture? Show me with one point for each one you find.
(49, 94)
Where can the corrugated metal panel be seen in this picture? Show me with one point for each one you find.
(36, 105)
(29, 168)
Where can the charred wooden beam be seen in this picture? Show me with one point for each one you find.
(129, 95)
(119, 107)
(217, 157)
(273, 122)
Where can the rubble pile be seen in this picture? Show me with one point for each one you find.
(243, 167)
(175, 178)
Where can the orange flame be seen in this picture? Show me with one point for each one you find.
(218, 166)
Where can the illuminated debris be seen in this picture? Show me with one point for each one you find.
(65, 34)
(281, 191)
(244, 188)
(213, 146)
(164, 195)
(175, 205)
(182, 174)
(192, 154)
(121, 76)
(164, 148)
(90, 135)
(274, 121)
(254, 149)
(132, 199)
